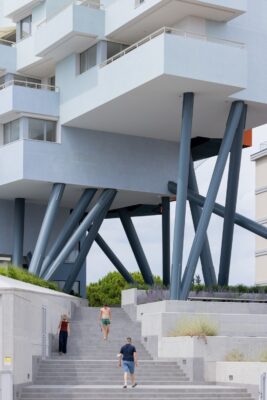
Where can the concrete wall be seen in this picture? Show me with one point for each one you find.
(21, 327)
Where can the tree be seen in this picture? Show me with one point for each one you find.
(108, 289)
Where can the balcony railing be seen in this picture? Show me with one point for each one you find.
(86, 3)
(7, 43)
(32, 85)
(184, 34)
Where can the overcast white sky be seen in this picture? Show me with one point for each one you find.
(149, 228)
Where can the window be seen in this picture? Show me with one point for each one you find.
(11, 131)
(88, 59)
(40, 129)
(25, 27)
(114, 48)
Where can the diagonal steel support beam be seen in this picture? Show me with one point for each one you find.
(231, 199)
(67, 230)
(46, 228)
(231, 127)
(219, 210)
(19, 212)
(103, 200)
(136, 246)
(205, 256)
(166, 241)
(86, 245)
(114, 259)
(182, 183)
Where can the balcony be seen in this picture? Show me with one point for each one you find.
(7, 56)
(72, 29)
(21, 98)
(154, 71)
(128, 21)
(18, 9)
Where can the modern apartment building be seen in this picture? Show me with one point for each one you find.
(260, 159)
(99, 103)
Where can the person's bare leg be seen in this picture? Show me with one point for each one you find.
(133, 379)
(125, 378)
(107, 333)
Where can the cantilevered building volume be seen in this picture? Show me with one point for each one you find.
(104, 106)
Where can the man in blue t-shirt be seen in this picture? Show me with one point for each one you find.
(129, 361)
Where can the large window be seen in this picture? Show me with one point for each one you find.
(40, 129)
(114, 48)
(88, 59)
(29, 128)
(25, 27)
(11, 131)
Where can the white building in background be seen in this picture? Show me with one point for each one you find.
(260, 159)
(91, 97)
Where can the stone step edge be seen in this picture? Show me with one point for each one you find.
(100, 387)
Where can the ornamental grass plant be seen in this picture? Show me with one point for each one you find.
(195, 326)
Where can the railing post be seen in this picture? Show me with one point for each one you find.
(262, 392)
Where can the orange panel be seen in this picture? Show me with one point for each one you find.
(247, 140)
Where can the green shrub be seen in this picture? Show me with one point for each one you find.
(235, 355)
(108, 289)
(24, 276)
(195, 326)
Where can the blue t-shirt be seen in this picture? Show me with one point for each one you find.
(127, 352)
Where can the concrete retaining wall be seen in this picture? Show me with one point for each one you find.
(26, 313)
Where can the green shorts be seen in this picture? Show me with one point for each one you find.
(105, 321)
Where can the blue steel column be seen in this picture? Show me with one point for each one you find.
(46, 228)
(230, 204)
(103, 200)
(136, 246)
(205, 256)
(166, 241)
(86, 245)
(19, 212)
(114, 259)
(231, 127)
(219, 210)
(71, 223)
(182, 184)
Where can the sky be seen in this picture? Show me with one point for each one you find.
(149, 228)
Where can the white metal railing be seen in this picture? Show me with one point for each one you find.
(32, 85)
(184, 34)
(7, 43)
(86, 3)
(263, 145)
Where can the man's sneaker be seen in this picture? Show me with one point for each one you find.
(124, 387)
(135, 384)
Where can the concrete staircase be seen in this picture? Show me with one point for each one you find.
(89, 370)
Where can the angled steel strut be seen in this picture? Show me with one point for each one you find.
(231, 199)
(46, 228)
(87, 243)
(136, 246)
(231, 127)
(205, 255)
(103, 200)
(114, 259)
(67, 230)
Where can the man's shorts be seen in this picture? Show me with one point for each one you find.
(105, 321)
(128, 366)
